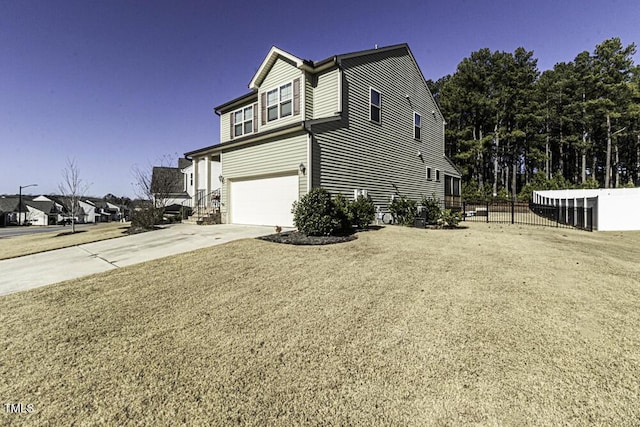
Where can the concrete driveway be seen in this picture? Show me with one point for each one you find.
(32, 271)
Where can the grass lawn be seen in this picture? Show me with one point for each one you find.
(15, 246)
(490, 325)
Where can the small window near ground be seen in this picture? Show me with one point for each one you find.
(429, 178)
(375, 104)
(417, 125)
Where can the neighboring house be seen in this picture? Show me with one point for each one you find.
(59, 209)
(43, 212)
(357, 123)
(8, 210)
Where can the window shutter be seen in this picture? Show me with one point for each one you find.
(263, 108)
(231, 125)
(255, 117)
(296, 97)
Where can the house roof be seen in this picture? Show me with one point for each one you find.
(9, 204)
(46, 206)
(166, 180)
(268, 62)
(183, 163)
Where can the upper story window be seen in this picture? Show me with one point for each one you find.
(429, 178)
(417, 120)
(375, 105)
(279, 102)
(437, 175)
(243, 121)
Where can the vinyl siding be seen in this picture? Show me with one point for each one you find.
(309, 80)
(325, 94)
(270, 158)
(281, 73)
(355, 153)
(225, 121)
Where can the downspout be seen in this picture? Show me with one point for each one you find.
(307, 127)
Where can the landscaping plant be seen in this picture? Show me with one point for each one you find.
(403, 210)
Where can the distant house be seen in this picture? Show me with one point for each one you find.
(8, 211)
(173, 188)
(43, 212)
(355, 123)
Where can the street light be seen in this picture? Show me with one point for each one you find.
(20, 201)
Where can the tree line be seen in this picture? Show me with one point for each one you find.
(512, 129)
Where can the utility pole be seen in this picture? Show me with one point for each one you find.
(20, 202)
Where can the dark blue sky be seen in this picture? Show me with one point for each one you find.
(120, 83)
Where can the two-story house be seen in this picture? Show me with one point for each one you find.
(362, 122)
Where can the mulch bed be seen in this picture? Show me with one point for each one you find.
(297, 238)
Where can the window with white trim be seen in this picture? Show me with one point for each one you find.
(243, 121)
(375, 105)
(437, 174)
(429, 174)
(279, 102)
(417, 125)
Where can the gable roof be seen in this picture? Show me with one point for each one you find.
(46, 206)
(268, 62)
(166, 180)
(183, 163)
(9, 204)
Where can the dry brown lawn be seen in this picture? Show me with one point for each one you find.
(15, 246)
(490, 325)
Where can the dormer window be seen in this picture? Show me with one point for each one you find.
(279, 102)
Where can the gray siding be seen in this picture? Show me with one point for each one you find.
(325, 94)
(356, 153)
(281, 73)
(271, 157)
(308, 95)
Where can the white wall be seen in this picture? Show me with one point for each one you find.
(616, 209)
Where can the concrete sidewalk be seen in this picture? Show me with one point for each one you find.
(32, 271)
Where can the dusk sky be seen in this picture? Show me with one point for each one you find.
(113, 84)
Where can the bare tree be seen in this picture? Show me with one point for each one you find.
(72, 188)
(154, 185)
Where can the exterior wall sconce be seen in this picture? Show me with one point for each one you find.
(221, 178)
(302, 168)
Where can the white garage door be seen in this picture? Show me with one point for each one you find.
(264, 201)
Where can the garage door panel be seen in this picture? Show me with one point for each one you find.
(265, 201)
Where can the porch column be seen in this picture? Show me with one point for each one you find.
(195, 182)
(208, 181)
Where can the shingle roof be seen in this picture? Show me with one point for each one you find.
(43, 206)
(165, 180)
(8, 204)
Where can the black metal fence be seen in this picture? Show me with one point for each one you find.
(527, 213)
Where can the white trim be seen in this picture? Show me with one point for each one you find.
(340, 92)
(428, 174)
(309, 160)
(266, 63)
(279, 102)
(415, 113)
(242, 111)
(371, 104)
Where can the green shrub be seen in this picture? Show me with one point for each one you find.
(343, 214)
(431, 205)
(403, 210)
(448, 218)
(316, 214)
(362, 212)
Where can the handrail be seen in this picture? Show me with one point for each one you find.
(206, 203)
